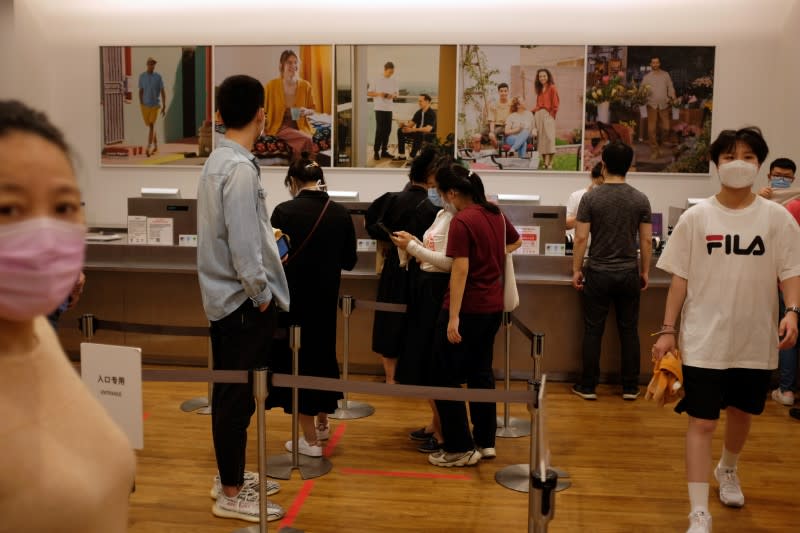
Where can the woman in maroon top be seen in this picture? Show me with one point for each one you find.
(478, 239)
(544, 115)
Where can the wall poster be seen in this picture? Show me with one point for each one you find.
(658, 99)
(156, 105)
(521, 107)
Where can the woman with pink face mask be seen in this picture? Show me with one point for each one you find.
(725, 255)
(51, 428)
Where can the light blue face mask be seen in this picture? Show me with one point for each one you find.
(780, 183)
(435, 199)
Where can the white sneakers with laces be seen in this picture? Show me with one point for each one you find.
(699, 522)
(250, 480)
(305, 448)
(245, 506)
(783, 398)
(730, 490)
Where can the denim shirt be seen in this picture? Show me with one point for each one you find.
(237, 257)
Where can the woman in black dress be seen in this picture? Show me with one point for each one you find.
(323, 243)
(411, 211)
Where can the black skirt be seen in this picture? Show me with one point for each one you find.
(414, 367)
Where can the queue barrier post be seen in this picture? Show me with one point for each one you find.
(260, 393)
(508, 427)
(200, 404)
(281, 466)
(348, 409)
(517, 477)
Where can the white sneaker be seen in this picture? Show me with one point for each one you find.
(487, 453)
(245, 506)
(305, 448)
(445, 459)
(323, 431)
(250, 480)
(783, 398)
(730, 490)
(699, 522)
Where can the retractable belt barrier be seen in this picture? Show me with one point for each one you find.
(542, 483)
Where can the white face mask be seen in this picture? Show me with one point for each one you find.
(736, 174)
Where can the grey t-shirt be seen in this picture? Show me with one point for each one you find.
(614, 211)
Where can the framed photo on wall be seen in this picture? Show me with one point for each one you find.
(392, 99)
(521, 107)
(156, 105)
(658, 99)
(298, 100)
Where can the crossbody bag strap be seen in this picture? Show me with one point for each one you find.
(308, 238)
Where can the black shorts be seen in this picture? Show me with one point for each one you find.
(709, 390)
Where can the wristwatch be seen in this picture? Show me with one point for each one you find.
(793, 308)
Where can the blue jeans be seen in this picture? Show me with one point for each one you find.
(787, 359)
(518, 142)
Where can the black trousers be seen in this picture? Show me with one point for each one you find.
(600, 290)
(468, 362)
(240, 341)
(383, 127)
(415, 137)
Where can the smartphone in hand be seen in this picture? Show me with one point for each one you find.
(383, 227)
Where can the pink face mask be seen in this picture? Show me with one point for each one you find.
(40, 261)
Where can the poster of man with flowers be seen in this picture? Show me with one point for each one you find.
(658, 99)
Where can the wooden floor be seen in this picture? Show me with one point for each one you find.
(625, 459)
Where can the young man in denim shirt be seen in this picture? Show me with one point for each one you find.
(242, 284)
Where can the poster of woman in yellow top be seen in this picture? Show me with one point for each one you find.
(298, 95)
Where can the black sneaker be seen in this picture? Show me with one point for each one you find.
(420, 435)
(400, 157)
(794, 412)
(584, 392)
(430, 446)
(376, 156)
(630, 393)
(386, 155)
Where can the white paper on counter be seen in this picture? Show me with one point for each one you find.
(159, 231)
(530, 236)
(137, 229)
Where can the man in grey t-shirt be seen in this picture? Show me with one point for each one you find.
(613, 214)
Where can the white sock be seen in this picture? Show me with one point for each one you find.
(698, 496)
(728, 459)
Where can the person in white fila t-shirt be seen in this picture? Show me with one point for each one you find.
(725, 255)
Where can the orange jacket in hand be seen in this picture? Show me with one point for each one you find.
(667, 383)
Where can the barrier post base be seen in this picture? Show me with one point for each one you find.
(193, 404)
(518, 478)
(352, 410)
(516, 427)
(280, 466)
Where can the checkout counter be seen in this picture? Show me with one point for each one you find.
(157, 284)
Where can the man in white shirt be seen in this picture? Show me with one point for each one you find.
(383, 91)
(659, 96)
(574, 199)
(724, 255)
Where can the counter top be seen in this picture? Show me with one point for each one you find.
(120, 256)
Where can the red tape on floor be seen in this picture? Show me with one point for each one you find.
(305, 490)
(297, 504)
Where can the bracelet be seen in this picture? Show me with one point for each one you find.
(672, 331)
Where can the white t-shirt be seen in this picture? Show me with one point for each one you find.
(431, 252)
(520, 119)
(732, 259)
(573, 202)
(383, 85)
